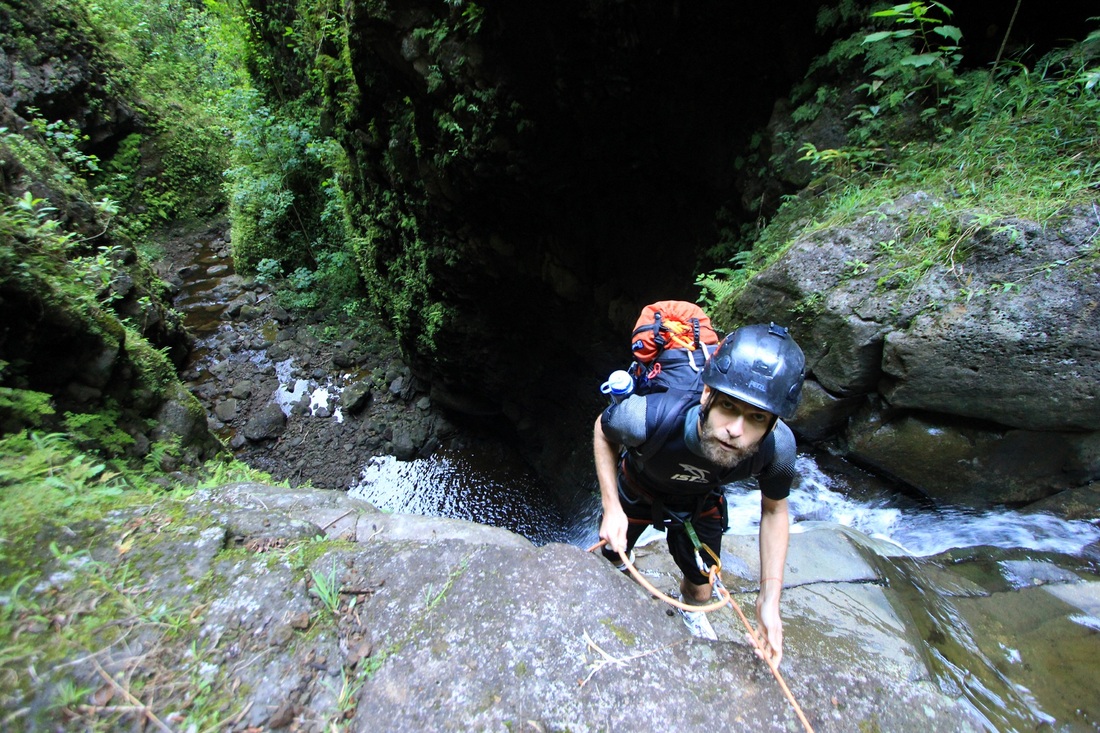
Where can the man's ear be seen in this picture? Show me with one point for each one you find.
(706, 395)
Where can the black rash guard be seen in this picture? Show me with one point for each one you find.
(679, 469)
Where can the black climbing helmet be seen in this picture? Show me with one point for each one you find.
(760, 365)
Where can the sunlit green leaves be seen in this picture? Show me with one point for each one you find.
(920, 60)
(44, 475)
(883, 35)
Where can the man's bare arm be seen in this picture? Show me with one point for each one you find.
(774, 538)
(614, 524)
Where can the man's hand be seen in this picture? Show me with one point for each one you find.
(613, 529)
(770, 625)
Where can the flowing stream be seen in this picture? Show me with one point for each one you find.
(491, 492)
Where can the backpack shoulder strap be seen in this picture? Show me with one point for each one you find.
(764, 456)
(665, 421)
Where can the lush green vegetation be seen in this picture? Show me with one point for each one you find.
(177, 65)
(48, 479)
(51, 482)
(230, 124)
(201, 124)
(174, 61)
(64, 273)
(284, 180)
(58, 270)
(67, 267)
(1010, 141)
(67, 249)
(299, 202)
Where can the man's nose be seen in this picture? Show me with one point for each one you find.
(736, 426)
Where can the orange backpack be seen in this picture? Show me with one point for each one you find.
(671, 341)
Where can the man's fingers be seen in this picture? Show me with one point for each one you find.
(764, 649)
(613, 530)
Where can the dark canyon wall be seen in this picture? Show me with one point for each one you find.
(526, 176)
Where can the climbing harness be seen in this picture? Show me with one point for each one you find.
(724, 599)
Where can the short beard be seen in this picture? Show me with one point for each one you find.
(718, 455)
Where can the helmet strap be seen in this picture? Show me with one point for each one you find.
(704, 410)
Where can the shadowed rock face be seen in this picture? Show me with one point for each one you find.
(526, 177)
(562, 165)
(53, 66)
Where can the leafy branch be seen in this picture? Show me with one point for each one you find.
(925, 55)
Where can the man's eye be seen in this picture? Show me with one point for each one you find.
(758, 417)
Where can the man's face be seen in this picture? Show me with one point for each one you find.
(732, 430)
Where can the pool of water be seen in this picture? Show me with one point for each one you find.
(491, 488)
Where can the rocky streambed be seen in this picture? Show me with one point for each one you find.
(293, 395)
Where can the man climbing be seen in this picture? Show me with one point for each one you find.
(678, 449)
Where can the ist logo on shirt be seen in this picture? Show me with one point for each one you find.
(691, 474)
